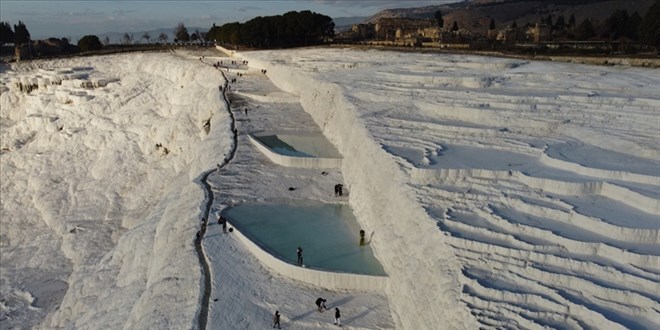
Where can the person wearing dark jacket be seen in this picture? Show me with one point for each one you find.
(276, 319)
(337, 316)
(320, 303)
(299, 252)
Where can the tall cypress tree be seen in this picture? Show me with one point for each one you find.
(649, 28)
(6, 34)
(438, 19)
(21, 34)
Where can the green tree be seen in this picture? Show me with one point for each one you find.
(438, 18)
(291, 29)
(89, 42)
(547, 20)
(6, 34)
(181, 33)
(127, 39)
(454, 26)
(163, 37)
(514, 25)
(649, 27)
(632, 27)
(560, 23)
(491, 26)
(615, 25)
(585, 30)
(571, 21)
(21, 34)
(146, 36)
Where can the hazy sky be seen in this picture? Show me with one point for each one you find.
(45, 18)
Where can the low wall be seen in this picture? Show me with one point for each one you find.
(227, 52)
(324, 279)
(288, 161)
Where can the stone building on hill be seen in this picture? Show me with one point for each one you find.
(539, 33)
(397, 28)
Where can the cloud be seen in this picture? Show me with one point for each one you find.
(243, 9)
(209, 18)
(381, 4)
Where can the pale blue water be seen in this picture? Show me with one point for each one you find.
(281, 147)
(328, 234)
(303, 145)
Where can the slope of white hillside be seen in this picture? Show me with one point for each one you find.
(99, 209)
(501, 193)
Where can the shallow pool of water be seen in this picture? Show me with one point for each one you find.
(327, 233)
(305, 145)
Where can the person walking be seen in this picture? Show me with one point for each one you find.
(276, 319)
(320, 303)
(337, 316)
(299, 252)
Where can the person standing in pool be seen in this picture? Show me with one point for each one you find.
(300, 256)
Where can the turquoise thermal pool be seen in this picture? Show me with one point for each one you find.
(327, 233)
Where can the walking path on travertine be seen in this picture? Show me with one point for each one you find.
(245, 294)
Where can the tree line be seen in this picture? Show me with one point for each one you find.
(620, 26)
(18, 36)
(288, 30)
(309, 28)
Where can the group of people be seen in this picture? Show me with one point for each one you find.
(219, 63)
(320, 305)
(221, 221)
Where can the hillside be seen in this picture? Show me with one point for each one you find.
(476, 15)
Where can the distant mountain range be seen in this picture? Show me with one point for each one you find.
(476, 14)
(345, 23)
